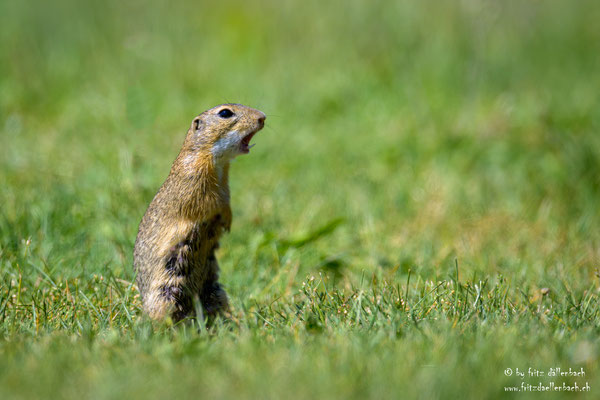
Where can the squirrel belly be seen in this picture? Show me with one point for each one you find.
(174, 254)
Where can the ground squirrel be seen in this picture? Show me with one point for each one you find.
(174, 254)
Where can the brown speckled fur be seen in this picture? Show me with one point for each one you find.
(174, 254)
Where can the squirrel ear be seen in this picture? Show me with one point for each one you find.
(196, 124)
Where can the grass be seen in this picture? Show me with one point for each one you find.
(420, 213)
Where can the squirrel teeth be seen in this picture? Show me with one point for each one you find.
(252, 145)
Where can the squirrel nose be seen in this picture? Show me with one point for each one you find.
(261, 120)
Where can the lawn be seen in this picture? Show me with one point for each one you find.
(419, 218)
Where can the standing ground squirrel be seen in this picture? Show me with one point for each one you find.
(174, 254)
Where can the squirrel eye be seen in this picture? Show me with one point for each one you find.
(226, 113)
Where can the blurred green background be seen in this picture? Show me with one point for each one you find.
(408, 144)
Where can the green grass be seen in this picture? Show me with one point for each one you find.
(420, 213)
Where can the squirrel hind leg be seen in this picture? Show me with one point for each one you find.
(172, 301)
(212, 295)
(214, 300)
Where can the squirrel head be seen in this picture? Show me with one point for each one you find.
(224, 131)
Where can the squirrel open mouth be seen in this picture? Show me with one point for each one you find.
(245, 143)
